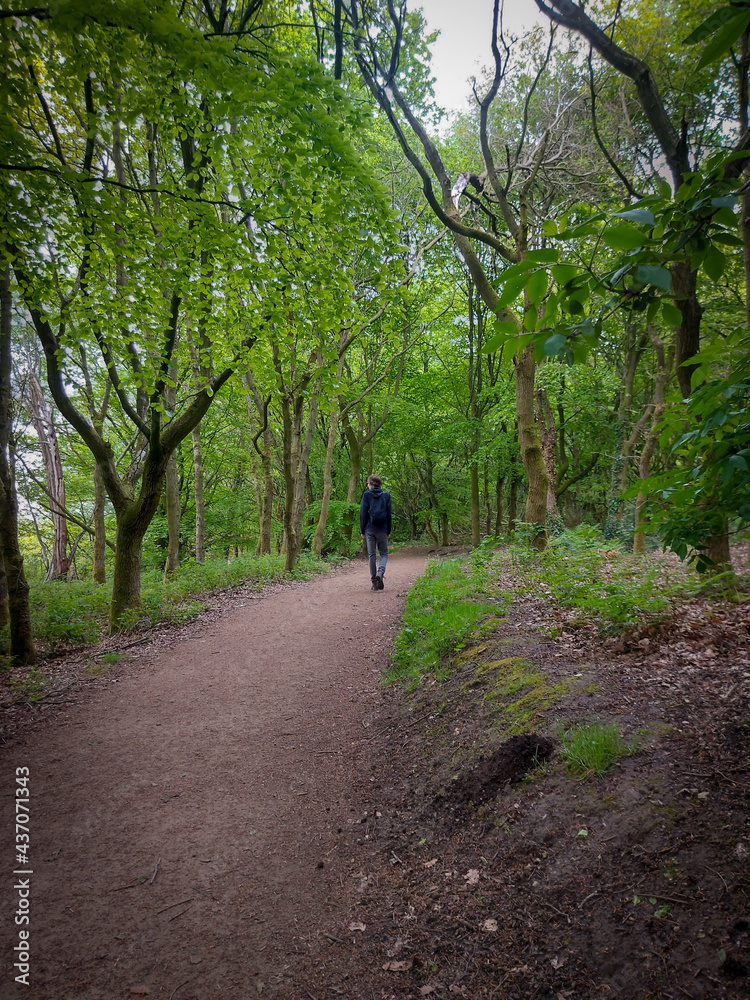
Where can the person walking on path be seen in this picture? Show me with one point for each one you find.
(375, 527)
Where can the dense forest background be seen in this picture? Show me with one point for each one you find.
(247, 261)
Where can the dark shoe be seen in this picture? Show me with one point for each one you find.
(379, 581)
(374, 585)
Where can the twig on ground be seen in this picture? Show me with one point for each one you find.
(176, 915)
(178, 988)
(179, 903)
(726, 887)
(151, 880)
(130, 885)
(551, 907)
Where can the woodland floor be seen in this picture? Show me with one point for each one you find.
(237, 809)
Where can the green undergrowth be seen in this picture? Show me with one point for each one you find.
(583, 572)
(443, 608)
(76, 613)
(592, 748)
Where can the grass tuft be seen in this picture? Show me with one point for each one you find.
(592, 748)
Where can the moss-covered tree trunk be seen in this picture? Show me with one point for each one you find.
(548, 436)
(531, 448)
(320, 530)
(200, 503)
(98, 568)
(22, 649)
(133, 518)
(174, 515)
(172, 494)
(355, 458)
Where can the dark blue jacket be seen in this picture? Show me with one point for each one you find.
(364, 511)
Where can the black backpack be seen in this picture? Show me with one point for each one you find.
(378, 513)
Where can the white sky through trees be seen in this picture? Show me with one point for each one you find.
(463, 47)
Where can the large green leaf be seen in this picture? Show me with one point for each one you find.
(511, 290)
(644, 215)
(725, 38)
(712, 23)
(655, 274)
(554, 344)
(537, 286)
(563, 273)
(543, 256)
(624, 238)
(714, 263)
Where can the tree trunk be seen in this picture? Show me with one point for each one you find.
(42, 416)
(200, 504)
(133, 519)
(22, 650)
(98, 571)
(718, 552)
(531, 449)
(619, 468)
(687, 335)
(355, 461)
(445, 529)
(303, 462)
(265, 499)
(172, 493)
(126, 579)
(174, 514)
(512, 504)
(499, 484)
(663, 366)
(548, 434)
(290, 417)
(333, 431)
(487, 503)
(476, 534)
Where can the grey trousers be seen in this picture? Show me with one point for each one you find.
(379, 539)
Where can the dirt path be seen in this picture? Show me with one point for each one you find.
(191, 823)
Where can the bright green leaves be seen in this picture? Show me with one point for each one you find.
(643, 215)
(714, 263)
(727, 24)
(656, 275)
(563, 273)
(709, 443)
(670, 314)
(536, 286)
(554, 344)
(512, 288)
(624, 238)
(630, 259)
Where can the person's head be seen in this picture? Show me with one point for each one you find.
(374, 482)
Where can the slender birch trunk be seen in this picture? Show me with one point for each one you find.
(43, 419)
